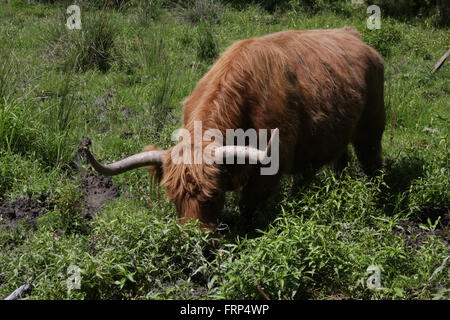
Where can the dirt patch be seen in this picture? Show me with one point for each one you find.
(97, 189)
(415, 235)
(24, 209)
(434, 214)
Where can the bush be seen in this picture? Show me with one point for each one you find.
(88, 48)
(94, 48)
(432, 190)
(207, 47)
(306, 5)
(133, 267)
(22, 133)
(66, 216)
(394, 8)
(384, 39)
(403, 8)
(200, 10)
(148, 10)
(161, 101)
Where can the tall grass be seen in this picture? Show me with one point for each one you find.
(162, 99)
(92, 47)
(7, 81)
(59, 116)
(18, 127)
(152, 53)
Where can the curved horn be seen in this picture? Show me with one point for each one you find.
(244, 152)
(135, 161)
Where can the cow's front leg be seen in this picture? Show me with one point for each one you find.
(255, 194)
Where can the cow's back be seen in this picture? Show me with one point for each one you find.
(327, 83)
(313, 85)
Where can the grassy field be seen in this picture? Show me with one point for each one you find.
(118, 82)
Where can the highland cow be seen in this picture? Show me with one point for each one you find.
(323, 90)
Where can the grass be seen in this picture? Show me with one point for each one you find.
(206, 42)
(120, 80)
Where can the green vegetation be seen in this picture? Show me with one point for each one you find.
(119, 81)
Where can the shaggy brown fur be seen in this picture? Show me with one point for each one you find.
(322, 88)
(154, 170)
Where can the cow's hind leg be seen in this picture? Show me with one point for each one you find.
(367, 140)
(369, 131)
(341, 162)
(369, 156)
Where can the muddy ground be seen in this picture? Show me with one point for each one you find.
(414, 232)
(24, 209)
(96, 189)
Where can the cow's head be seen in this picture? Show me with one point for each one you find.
(197, 190)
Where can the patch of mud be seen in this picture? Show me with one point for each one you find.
(415, 235)
(433, 215)
(24, 209)
(97, 189)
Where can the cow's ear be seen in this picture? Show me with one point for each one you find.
(155, 170)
